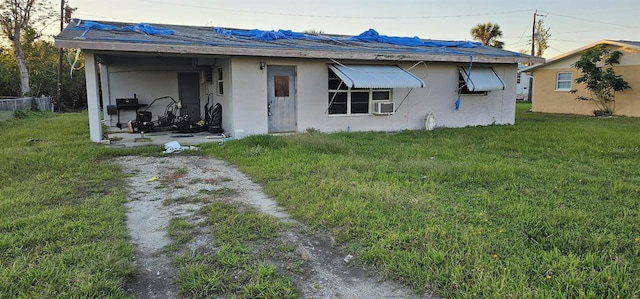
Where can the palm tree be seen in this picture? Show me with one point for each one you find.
(487, 34)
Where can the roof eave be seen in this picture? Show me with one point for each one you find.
(576, 51)
(287, 53)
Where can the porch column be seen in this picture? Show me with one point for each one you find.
(93, 99)
(106, 95)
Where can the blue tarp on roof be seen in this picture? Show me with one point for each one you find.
(86, 25)
(370, 35)
(373, 36)
(369, 40)
(148, 29)
(262, 34)
(367, 36)
(143, 28)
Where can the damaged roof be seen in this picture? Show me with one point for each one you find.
(196, 40)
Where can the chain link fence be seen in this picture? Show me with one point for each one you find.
(13, 104)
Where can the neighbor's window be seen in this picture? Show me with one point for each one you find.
(344, 100)
(563, 80)
(220, 82)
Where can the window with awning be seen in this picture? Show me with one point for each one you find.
(376, 76)
(353, 89)
(479, 80)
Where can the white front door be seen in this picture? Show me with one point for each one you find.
(281, 98)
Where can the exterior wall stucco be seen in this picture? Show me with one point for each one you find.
(249, 85)
(225, 98)
(244, 101)
(249, 96)
(547, 100)
(93, 100)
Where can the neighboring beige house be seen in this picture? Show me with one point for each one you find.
(553, 81)
(283, 81)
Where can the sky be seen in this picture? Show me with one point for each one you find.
(573, 24)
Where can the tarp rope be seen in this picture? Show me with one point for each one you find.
(466, 83)
(74, 62)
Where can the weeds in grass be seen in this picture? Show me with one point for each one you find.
(217, 180)
(544, 208)
(180, 231)
(182, 200)
(235, 268)
(220, 192)
(172, 179)
(62, 224)
(539, 209)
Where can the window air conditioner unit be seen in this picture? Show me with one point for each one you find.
(384, 108)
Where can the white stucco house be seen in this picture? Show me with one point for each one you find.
(282, 81)
(523, 84)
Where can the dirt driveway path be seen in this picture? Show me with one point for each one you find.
(152, 186)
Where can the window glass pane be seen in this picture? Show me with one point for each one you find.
(564, 76)
(338, 103)
(335, 83)
(381, 95)
(281, 86)
(564, 85)
(359, 97)
(359, 108)
(563, 80)
(359, 102)
(220, 82)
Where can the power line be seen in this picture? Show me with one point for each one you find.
(585, 31)
(570, 41)
(587, 20)
(333, 16)
(83, 16)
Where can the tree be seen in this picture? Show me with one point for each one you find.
(15, 17)
(601, 83)
(9, 85)
(541, 38)
(487, 34)
(42, 61)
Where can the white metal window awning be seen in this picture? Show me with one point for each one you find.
(376, 76)
(481, 79)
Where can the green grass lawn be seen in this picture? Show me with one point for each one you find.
(5, 115)
(547, 208)
(62, 224)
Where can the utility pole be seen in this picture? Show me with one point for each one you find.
(533, 53)
(59, 89)
(533, 34)
(65, 17)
